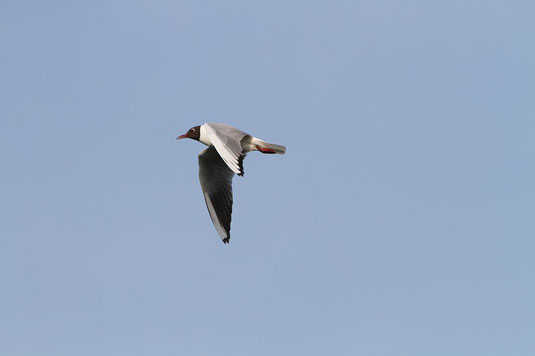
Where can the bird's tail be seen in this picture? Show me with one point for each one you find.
(266, 147)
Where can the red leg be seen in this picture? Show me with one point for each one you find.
(264, 150)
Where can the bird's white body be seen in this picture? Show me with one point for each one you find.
(232, 143)
(248, 142)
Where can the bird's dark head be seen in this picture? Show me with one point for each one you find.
(193, 133)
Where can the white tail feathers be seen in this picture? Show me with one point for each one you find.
(266, 147)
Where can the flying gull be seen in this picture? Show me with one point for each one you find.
(227, 147)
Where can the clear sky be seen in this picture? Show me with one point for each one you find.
(400, 221)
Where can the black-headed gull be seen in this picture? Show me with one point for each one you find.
(227, 147)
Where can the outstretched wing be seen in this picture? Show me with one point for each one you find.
(216, 183)
(227, 141)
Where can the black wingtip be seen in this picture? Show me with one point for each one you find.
(240, 164)
(226, 240)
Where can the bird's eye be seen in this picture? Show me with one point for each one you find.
(192, 130)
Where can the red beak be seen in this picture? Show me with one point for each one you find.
(182, 136)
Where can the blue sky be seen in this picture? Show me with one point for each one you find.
(400, 222)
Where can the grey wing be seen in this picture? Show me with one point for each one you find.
(216, 183)
(227, 141)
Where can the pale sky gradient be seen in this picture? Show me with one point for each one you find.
(400, 222)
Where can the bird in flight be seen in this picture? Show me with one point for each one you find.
(227, 147)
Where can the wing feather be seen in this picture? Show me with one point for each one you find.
(227, 141)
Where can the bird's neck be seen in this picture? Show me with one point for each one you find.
(203, 137)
